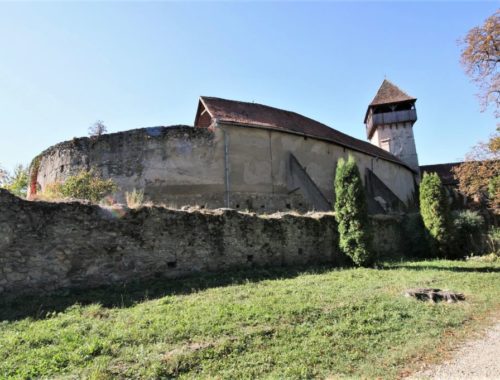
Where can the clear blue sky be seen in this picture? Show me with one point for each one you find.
(132, 65)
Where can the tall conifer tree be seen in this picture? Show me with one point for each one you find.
(351, 212)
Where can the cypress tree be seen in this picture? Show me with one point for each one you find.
(351, 212)
(435, 213)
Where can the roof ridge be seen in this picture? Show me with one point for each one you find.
(263, 105)
(269, 117)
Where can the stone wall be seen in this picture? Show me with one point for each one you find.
(176, 165)
(230, 166)
(49, 246)
(389, 240)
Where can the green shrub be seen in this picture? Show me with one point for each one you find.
(351, 213)
(86, 185)
(468, 226)
(435, 214)
(493, 241)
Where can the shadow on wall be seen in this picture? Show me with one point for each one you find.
(381, 199)
(124, 296)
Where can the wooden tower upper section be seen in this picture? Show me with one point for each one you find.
(389, 123)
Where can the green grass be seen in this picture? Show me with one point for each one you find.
(284, 323)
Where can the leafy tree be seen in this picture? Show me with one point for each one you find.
(97, 129)
(351, 212)
(479, 175)
(435, 213)
(480, 57)
(18, 183)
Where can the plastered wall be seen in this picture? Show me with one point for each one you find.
(238, 167)
(398, 139)
(259, 158)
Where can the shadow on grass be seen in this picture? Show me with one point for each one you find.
(482, 269)
(132, 293)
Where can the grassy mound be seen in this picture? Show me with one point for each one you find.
(283, 323)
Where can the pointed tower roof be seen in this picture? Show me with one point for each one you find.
(390, 93)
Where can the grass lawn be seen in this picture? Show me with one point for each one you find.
(284, 323)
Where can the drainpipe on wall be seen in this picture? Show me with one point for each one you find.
(226, 164)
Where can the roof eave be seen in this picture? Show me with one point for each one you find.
(201, 102)
(392, 102)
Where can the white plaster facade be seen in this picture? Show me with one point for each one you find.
(397, 139)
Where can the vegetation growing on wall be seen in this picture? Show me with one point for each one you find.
(97, 129)
(351, 212)
(86, 185)
(134, 198)
(435, 213)
(33, 173)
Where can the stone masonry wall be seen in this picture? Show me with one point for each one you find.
(177, 165)
(49, 246)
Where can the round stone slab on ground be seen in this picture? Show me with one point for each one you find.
(434, 295)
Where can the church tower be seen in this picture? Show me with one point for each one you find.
(389, 123)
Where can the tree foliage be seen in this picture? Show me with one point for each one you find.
(435, 213)
(17, 183)
(97, 129)
(86, 185)
(351, 212)
(479, 175)
(480, 57)
(4, 176)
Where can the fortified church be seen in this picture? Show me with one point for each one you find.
(250, 156)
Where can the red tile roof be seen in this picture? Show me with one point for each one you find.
(390, 93)
(262, 116)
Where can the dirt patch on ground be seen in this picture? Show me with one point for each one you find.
(476, 359)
